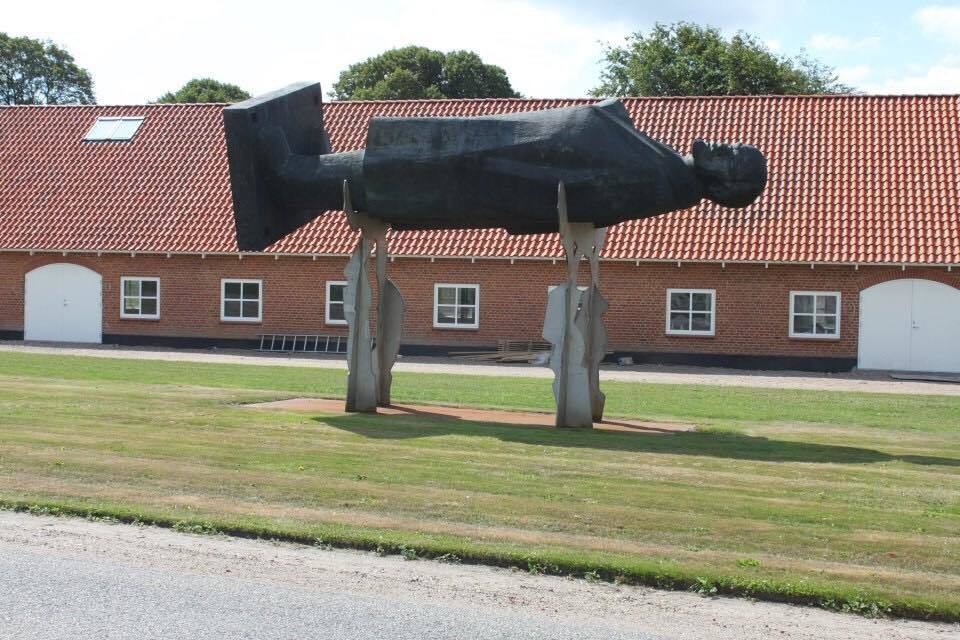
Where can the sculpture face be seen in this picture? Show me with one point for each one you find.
(732, 175)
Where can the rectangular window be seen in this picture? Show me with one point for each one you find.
(139, 298)
(456, 306)
(114, 129)
(334, 308)
(814, 314)
(241, 300)
(690, 312)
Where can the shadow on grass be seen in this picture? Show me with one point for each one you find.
(717, 444)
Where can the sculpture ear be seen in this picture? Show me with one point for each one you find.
(700, 149)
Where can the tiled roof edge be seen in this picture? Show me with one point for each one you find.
(276, 254)
(152, 105)
(584, 99)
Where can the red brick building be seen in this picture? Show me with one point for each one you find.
(116, 226)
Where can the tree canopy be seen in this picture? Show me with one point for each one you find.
(205, 90)
(40, 72)
(685, 59)
(418, 72)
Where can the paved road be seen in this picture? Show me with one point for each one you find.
(867, 382)
(53, 598)
(71, 579)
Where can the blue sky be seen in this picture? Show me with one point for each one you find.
(550, 48)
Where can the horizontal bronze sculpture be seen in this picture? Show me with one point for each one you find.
(574, 171)
(479, 172)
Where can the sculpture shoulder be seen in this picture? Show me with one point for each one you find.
(601, 114)
(613, 108)
(583, 126)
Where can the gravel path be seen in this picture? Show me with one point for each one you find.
(868, 382)
(68, 578)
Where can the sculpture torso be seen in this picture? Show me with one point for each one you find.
(476, 172)
(502, 171)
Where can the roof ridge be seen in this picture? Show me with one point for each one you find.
(135, 105)
(770, 96)
(800, 96)
(765, 96)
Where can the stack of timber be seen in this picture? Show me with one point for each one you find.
(508, 351)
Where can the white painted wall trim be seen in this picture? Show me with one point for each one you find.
(433, 258)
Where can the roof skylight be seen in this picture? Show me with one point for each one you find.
(115, 129)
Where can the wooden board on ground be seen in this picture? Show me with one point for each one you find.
(921, 377)
(508, 351)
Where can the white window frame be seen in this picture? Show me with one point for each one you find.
(123, 297)
(223, 299)
(326, 304)
(436, 303)
(813, 336)
(112, 136)
(690, 332)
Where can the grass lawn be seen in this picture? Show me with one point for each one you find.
(843, 500)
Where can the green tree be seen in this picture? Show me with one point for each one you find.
(205, 90)
(417, 72)
(40, 72)
(685, 59)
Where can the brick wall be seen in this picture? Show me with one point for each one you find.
(752, 303)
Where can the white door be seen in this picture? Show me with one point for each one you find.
(935, 328)
(62, 303)
(910, 325)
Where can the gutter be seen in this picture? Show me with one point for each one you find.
(240, 255)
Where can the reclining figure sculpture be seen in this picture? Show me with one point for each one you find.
(575, 170)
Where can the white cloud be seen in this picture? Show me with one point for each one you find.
(753, 16)
(854, 75)
(833, 42)
(135, 58)
(774, 45)
(940, 78)
(940, 21)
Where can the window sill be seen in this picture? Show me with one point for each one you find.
(140, 318)
(456, 327)
(817, 338)
(675, 334)
(239, 321)
(334, 323)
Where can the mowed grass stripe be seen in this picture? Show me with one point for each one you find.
(512, 535)
(660, 495)
(565, 475)
(653, 401)
(529, 487)
(498, 474)
(844, 494)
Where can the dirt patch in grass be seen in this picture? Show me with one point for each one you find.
(328, 406)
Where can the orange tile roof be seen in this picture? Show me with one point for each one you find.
(857, 179)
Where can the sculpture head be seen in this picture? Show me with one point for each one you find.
(732, 175)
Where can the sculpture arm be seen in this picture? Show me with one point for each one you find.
(305, 181)
(282, 174)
